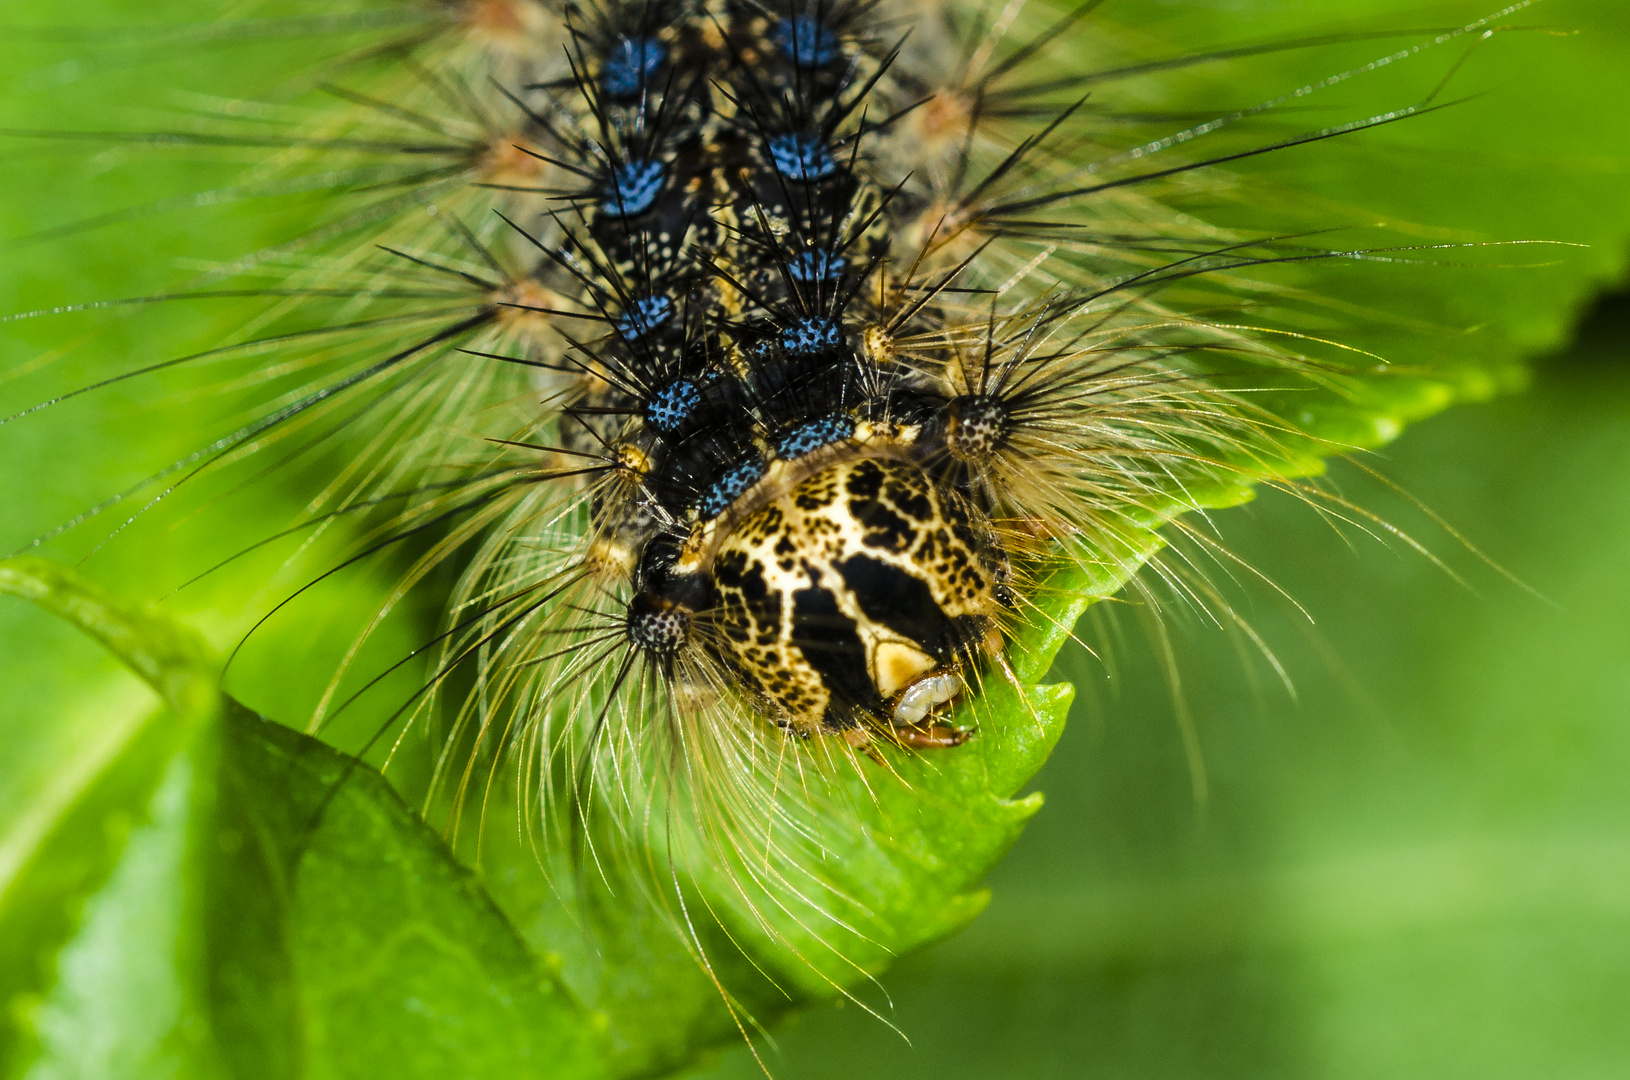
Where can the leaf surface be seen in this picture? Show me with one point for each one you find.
(219, 896)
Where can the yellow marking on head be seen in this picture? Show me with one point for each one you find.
(896, 664)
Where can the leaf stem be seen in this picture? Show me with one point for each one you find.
(169, 656)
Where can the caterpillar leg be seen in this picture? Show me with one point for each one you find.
(931, 736)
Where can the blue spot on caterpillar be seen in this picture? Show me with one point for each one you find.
(813, 266)
(729, 487)
(806, 41)
(644, 316)
(811, 336)
(812, 435)
(633, 188)
(629, 66)
(802, 155)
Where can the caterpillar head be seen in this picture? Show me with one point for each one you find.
(863, 596)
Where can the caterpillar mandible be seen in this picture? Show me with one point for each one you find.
(752, 377)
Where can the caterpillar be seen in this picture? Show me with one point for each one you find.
(754, 375)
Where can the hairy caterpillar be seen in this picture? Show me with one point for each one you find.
(778, 280)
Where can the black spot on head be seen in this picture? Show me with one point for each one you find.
(816, 496)
(826, 637)
(911, 500)
(865, 480)
(883, 527)
(743, 580)
(733, 570)
(903, 603)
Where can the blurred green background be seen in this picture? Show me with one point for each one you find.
(1419, 867)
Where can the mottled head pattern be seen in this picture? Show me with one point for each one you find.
(843, 591)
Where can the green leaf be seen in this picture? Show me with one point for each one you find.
(214, 895)
(906, 864)
(393, 951)
(99, 928)
(903, 850)
(1416, 868)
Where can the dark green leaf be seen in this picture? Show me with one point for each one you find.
(216, 895)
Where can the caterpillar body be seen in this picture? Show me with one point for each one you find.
(835, 413)
(763, 369)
